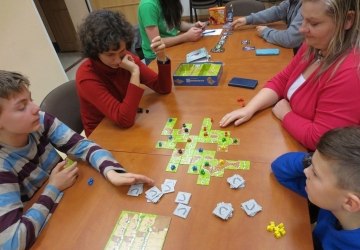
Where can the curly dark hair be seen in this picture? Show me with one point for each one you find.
(103, 30)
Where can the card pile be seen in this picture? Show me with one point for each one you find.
(251, 207)
(136, 189)
(236, 181)
(223, 210)
(153, 195)
(168, 186)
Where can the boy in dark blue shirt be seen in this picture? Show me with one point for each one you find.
(332, 182)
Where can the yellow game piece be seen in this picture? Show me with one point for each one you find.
(270, 228)
(282, 231)
(277, 235)
(221, 161)
(281, 225)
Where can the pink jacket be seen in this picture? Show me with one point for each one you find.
(320, 104)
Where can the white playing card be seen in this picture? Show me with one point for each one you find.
(223, 210)
(182, 210)
(153, 194)
(136, 189)
(251, 207)
(183, 197)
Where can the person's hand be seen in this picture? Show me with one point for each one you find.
(238, 116)
(119, 179)
(158, 46)
(129, 64)
(63, 178)
(281, 108)
(200, 25)
(193, 34)
(239, 22)
(260, 29)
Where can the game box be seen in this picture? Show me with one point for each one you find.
(198, 74)
(217, 15)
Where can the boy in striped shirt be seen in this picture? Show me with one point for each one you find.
(28, 138)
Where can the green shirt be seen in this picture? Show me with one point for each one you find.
(150, 14)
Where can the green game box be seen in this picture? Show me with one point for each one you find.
(198, 74)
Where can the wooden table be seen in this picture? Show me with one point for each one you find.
(87, 215)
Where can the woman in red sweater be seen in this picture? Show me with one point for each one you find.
(110, 82)
(320, 89)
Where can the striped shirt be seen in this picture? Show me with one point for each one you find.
(24, 170)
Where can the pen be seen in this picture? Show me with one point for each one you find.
(208, 31)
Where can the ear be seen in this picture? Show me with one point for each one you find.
(352, 203)
(349, 20)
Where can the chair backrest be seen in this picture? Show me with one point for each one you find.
(203, 4)
(245, 7)
(63, 103)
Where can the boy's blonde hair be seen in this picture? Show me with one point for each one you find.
(341, 148)
(11, 83)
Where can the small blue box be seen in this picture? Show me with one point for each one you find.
(198, 74)
(267, 52)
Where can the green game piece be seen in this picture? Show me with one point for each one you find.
(68, 162)
(202, 163)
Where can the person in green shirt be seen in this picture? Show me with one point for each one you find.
(163, 18)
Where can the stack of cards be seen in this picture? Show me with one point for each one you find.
(223, 210)
(136, 189)
(153, 195)
(236, 181)
(168, 186)
(251, 207)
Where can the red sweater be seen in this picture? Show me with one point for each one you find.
(104, 91)
(321, 104)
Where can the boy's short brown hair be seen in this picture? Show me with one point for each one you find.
(341, 147)
(11, 83)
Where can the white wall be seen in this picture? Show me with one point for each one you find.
(77, 10)
(25, 47)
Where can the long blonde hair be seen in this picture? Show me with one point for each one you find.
(343, 41)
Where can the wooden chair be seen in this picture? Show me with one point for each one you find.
(63, 103)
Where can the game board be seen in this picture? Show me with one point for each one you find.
(201, 162)
(138, 231)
